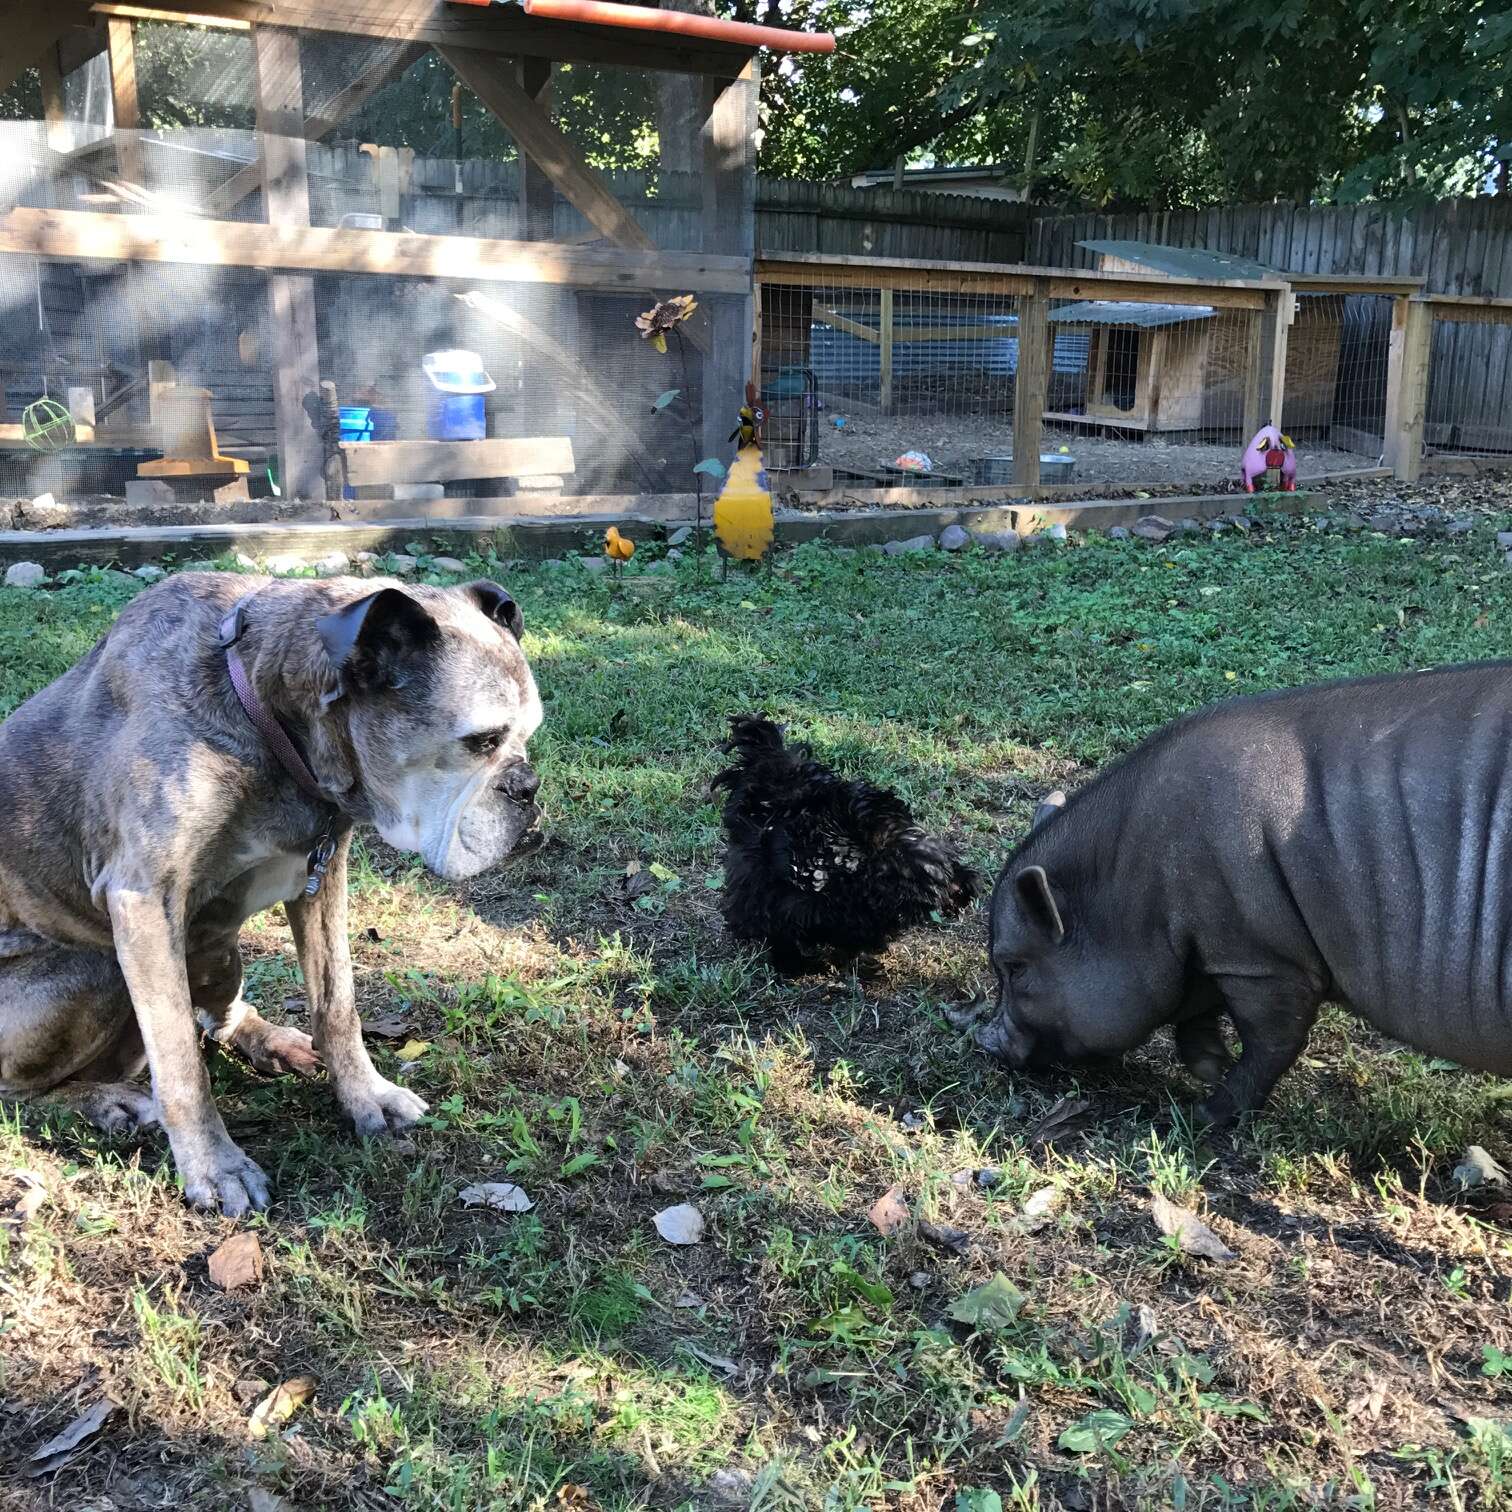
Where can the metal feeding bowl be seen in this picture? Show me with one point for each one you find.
(997, 472)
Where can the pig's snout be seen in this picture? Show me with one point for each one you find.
(1005, 1041)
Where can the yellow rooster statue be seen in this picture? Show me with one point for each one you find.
(743, 522)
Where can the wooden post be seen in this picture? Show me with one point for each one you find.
(1407, 385)
(727, 137)
(1265, 386)
(59, 134)
(121, 44)
(1031, 386)
(537, 192)
(885, 337)
(291, 299)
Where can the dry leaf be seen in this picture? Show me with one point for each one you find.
(1063, 1117)
(502, 1196)
(389, 1026)
(237, 1263)
(889, 1212)
(1039, 1211)
(59, 1451)
(1191, 1233)
(280, 1405)
(412, 1050)
(718, 1362)
(958, 1241)
(578, 1498)
(682, 1224)
(24, 1206)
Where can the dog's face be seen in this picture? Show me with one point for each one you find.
(439, 705)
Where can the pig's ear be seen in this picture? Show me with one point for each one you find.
(1038, 903)
(1049, 805)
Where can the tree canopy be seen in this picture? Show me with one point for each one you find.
(1157, 102)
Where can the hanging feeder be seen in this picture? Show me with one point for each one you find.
(46, 426)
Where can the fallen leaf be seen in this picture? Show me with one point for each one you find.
(279, 1406)
(1068, 1112)
(22, 1208)
(1192, 1235)
(389, 1026)
(689, 1299)
(957, 1241)
(718, 1362)
(1097, 1431)
(501, 1196)
(237, 1263)
(1479, 1168)
(889, 1212)
(569, 1494)
(992, 1306)
(60, 1450)
(682, 1224)
(412, 1050)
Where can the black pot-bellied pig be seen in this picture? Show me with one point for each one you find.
(1349, 843)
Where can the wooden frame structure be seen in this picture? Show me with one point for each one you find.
(503, 56)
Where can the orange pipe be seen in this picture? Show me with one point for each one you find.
(680, 23)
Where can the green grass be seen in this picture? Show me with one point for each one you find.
(615, 1057)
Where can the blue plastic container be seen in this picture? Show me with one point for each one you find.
(356, 423)
(456, 417)
(385, 425)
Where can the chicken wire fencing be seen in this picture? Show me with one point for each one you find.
(1469, 405)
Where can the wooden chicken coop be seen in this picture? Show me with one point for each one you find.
(297, 208)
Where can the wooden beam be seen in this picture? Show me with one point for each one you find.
(1265, 387)
(1407, 364)
(30, 29)
(1470, 309)
(121, 44)
(885, 333)
(291, 300)
(537, 192)
(326, 118)
(83, 235)
(376, 462)
(1031, 387)
(539, 138)
(58, 134)
(502, 30)
(840, 322)
(215, 20)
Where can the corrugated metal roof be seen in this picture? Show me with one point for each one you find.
(1182, 262)
(1110, 312)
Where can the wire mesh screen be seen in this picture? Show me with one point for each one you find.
(1336, 380)
(888, 387)
(1469, 411)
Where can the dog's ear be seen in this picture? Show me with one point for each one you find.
(369, 641)
(496, 603)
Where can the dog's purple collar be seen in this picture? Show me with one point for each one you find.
(280, 742)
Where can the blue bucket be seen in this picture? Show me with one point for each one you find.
(356, 423)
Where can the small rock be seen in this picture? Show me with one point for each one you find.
(149, 573)
(24, 575)
(912, 544)
(946, 1236)
(989, 1176)
(365, 558)
(1040, 1209)
(1119, 533)
(402, 564)
(1055, 532)
(448, 564)
(45, 513)
(681, 536)
(675, 555)
(733, 1486)
(246, 563)
(333, 564)
(1189, 526)
(1154, 528)
(594, 564)
(1459, 527)
(997, 540)
(286, 562)
(954, 538)
(920, 1280)
(1479, 1168)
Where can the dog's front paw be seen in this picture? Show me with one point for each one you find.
(275, 1050)
(380, 1107)
(226, 1179)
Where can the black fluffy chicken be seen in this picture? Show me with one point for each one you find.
(819, 868)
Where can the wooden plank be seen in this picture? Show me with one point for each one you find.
(1031, 386)
(345, 103)
(1350, 283)
(59, 133)
(537, 193)
(538, 137)
(375, 462)
(121, 45)
(829, 317)
(291, 299)
(885, 341)
(1407, 386)
(81, 235)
